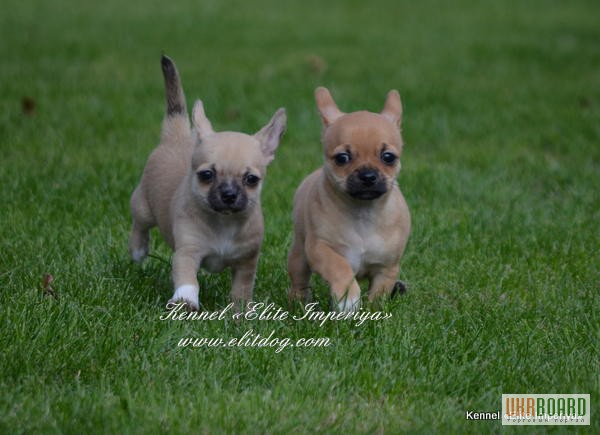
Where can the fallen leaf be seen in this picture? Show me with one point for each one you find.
(316, 64)
(28, 106)
(48, 291)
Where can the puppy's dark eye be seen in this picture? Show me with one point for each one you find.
(342, 158)
(206, 176)
(388, 158)
(251, 180)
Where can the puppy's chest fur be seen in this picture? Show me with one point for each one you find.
(368, 245)
(225, 247)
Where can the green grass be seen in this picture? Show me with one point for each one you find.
(501, 170)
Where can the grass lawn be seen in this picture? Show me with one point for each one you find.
(501, 171)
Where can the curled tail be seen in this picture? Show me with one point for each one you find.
(176, 105)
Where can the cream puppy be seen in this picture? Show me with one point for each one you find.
(350, 218)
(202, 189)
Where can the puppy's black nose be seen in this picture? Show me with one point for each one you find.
(368, 177)
(228, 195)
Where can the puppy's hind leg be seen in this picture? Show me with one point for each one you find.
(299, 273)
(143, 220)
(383, 282)
(242, 284)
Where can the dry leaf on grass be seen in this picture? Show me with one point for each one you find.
(48, 291)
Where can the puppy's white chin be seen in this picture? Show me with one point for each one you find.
(187, 293)
(348, 305)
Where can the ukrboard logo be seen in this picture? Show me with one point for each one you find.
(546, 409)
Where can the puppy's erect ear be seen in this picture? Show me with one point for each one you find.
(392, 109)
(327, 108)
(270, 135)
(200, 121)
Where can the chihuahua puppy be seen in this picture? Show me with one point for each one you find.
(202, 189)
(350, 218)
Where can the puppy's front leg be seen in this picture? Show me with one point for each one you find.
(383, 282)
(243, 282)
(186, 262)
(334, 269)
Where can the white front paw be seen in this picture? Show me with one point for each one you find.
(349, 304)
(138, 255)
(187, 293)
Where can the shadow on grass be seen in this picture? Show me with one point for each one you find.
(152, 280)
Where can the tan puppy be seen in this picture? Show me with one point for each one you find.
(350, 219)
(202, 189)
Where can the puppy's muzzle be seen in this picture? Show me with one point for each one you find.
(368, 177)
(229, 194)
(228, 198)
(366, 183)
